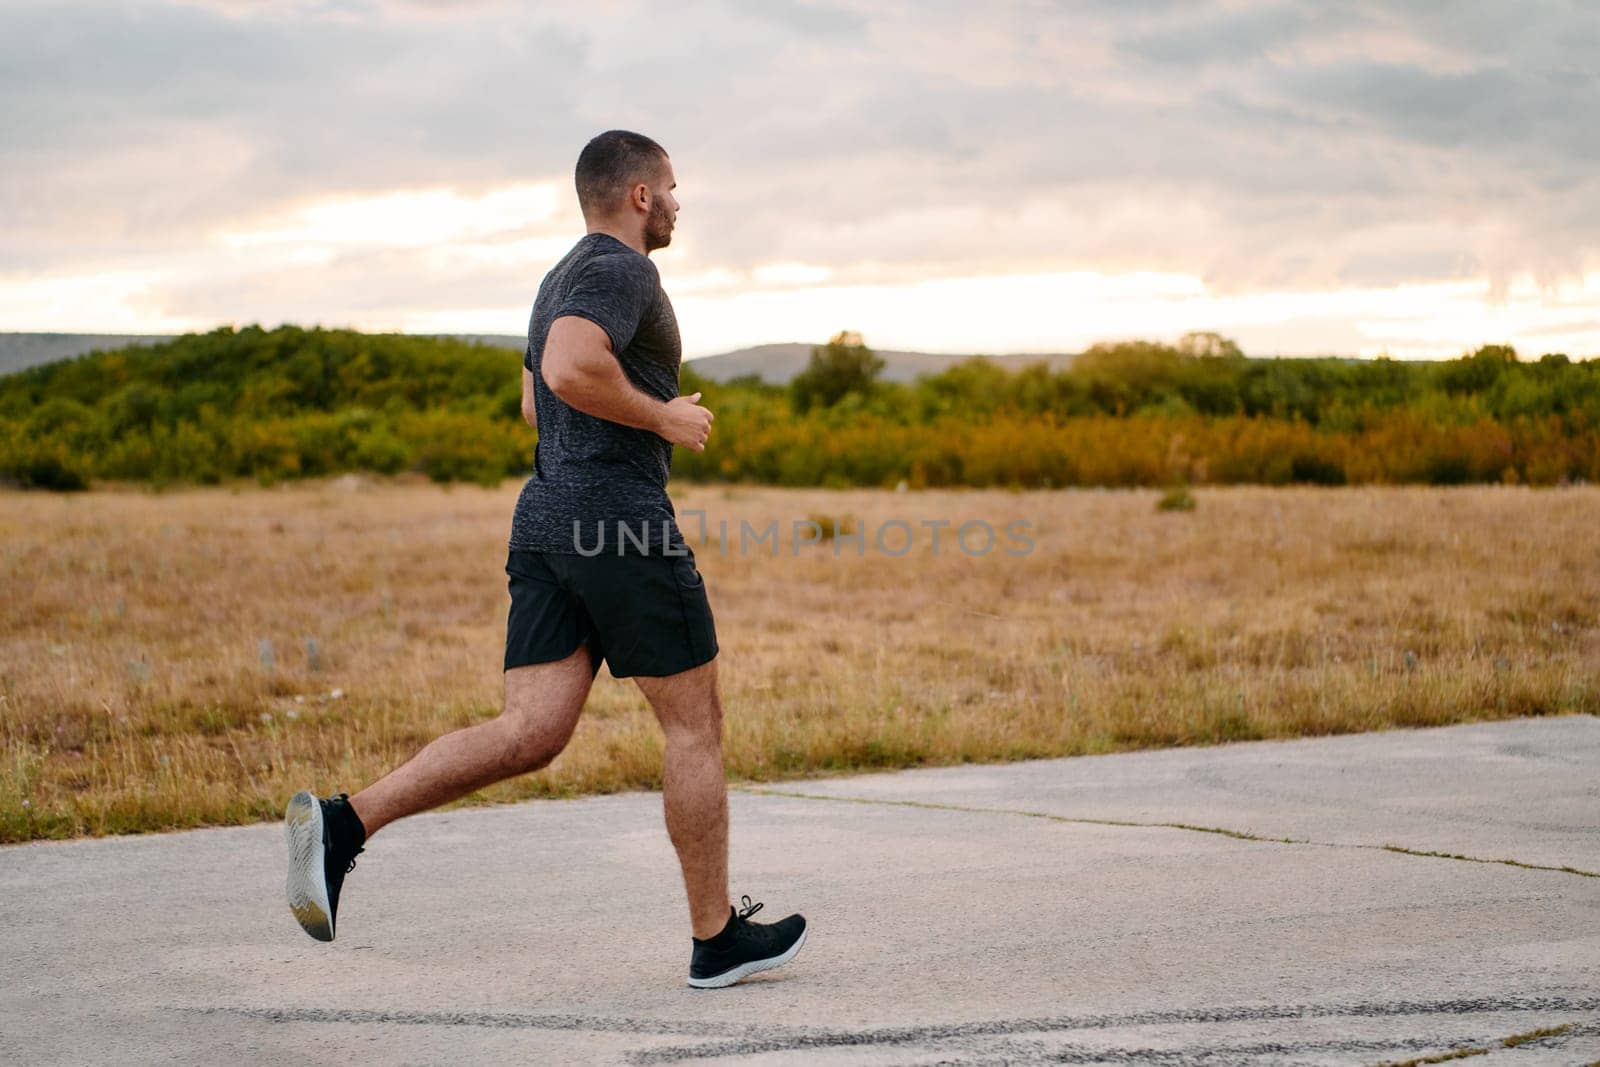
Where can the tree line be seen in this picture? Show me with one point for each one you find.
(293, 402)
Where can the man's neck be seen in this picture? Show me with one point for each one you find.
(634, 241)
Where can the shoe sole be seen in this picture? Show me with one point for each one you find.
(745, 970)
(308, 877)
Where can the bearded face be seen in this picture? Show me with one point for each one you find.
(658, 225)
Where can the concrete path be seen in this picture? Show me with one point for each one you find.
(1131, 908)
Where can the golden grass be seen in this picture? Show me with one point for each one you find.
(136, 692)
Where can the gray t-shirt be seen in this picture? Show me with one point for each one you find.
(608, 479)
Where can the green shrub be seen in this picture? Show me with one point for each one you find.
(1178, 498)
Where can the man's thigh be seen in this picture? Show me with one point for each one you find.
(688, 700)
(548, 698)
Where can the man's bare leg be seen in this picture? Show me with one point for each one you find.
(695, 787)
(542, 705)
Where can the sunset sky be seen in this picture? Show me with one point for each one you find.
(1410, 178)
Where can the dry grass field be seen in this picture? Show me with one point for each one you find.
(193, 657)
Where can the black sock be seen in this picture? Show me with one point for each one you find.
(347, 829)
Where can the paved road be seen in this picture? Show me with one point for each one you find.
(1080, 911)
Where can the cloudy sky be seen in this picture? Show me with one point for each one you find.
(1411, 178)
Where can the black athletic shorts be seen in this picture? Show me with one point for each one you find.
(641, 614)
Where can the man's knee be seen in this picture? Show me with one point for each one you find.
(530, 743)
(534, 736)
(542, 705)
(702, 722)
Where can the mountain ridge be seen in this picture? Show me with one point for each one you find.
(775, 363)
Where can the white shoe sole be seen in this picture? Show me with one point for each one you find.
(308, 878)
(745, 970)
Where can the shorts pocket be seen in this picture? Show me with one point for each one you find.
(687, 575)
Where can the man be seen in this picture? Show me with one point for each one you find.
(597, 569)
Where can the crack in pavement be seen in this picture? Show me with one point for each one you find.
(1233, 785)
(1004, 1052)
(929, 1035)
(1008, 1051)
(491, 1020)
(1548, 1037)
(1240, 834)
(743, 1039)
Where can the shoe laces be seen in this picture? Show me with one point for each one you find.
(748, 909)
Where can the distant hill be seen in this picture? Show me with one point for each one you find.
(514, 341)
(775, 364)
(19, 351)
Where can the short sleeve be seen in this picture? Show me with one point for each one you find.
(614, 292)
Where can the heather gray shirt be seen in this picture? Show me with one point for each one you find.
(609, 479)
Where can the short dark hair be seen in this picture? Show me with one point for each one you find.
(610, 164)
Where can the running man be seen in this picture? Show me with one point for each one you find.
(597, 570)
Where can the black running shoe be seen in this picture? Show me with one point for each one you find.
(324, 838)
(743, 948)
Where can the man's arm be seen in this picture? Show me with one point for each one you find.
(579, 367)
(530, 411)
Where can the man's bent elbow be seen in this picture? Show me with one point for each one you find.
(560, 379)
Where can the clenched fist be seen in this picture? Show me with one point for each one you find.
(684, 422)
